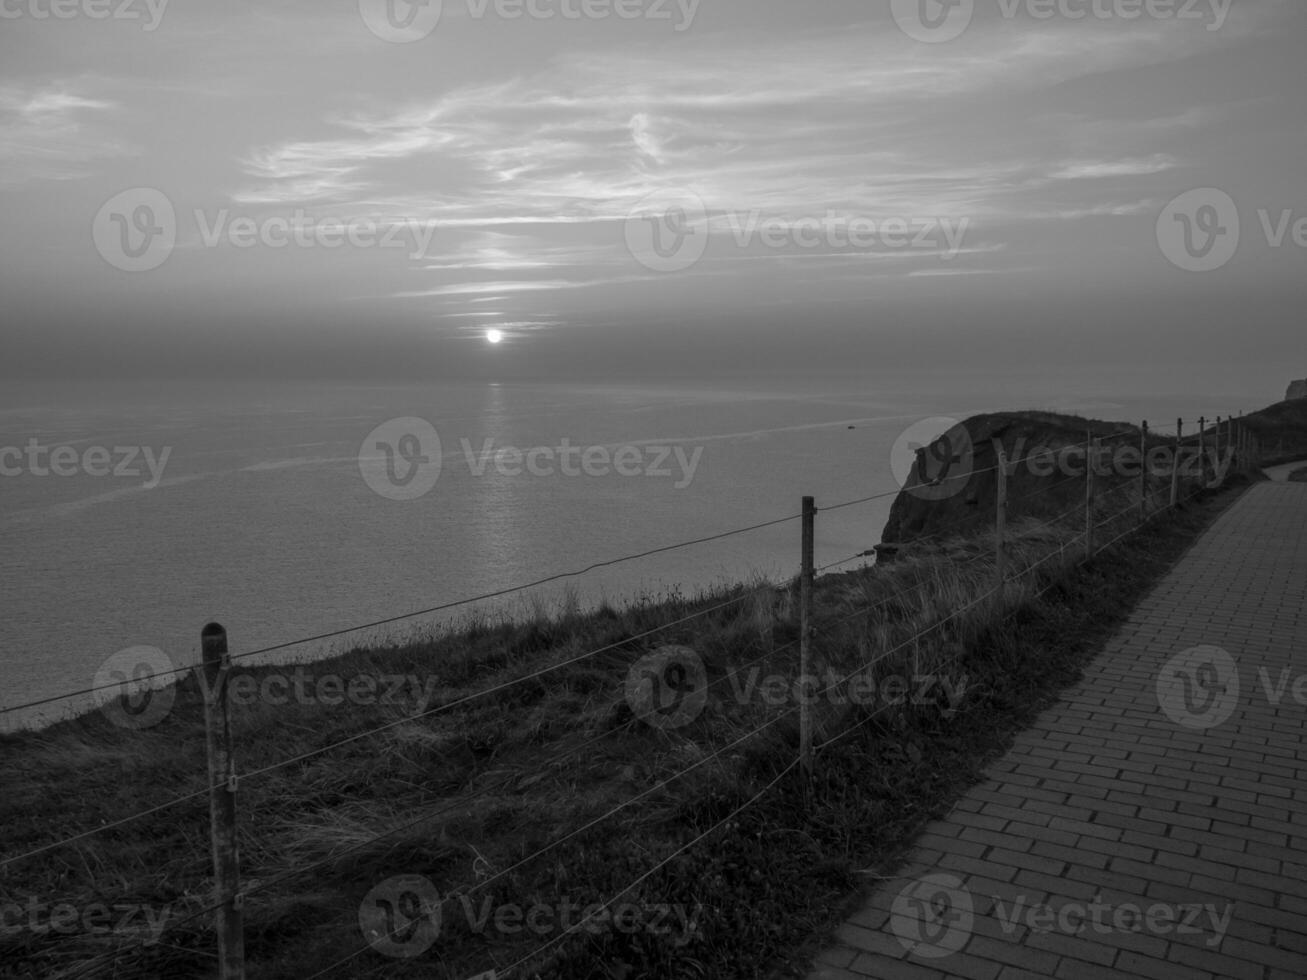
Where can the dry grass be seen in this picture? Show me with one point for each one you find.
(467, 795)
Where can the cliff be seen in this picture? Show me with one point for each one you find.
(955, 496)
(1044, 487)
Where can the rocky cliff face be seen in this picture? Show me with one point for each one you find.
(1297, 391)
(952, 489)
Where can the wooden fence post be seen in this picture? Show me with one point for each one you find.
(1000, 520)
(1143, 471)
(805, 636)
(1175, 463)
(222, 804)
(1091, 454)
(1216, 468)
(1202, 451)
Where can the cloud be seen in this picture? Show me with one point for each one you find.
(847, 118)
(786, 128)
(496, 288)
(54, 133)
(1093, 169)
(642, 135)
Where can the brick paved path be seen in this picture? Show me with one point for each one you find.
(1185, 800)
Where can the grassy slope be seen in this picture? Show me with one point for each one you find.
(1282, 428)
(466, 794)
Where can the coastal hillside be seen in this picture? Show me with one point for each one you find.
(530, 777)
(956, 494)
(1282, 429)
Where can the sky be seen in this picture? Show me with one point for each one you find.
(645, 188)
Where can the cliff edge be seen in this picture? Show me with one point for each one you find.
(952, 488)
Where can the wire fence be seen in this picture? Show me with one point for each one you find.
(1141, 500)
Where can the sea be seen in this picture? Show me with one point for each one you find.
(134, 514)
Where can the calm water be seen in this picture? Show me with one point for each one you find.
(263, 521)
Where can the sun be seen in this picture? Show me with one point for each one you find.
(494, 336)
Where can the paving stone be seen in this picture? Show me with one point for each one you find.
(1107, 798)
